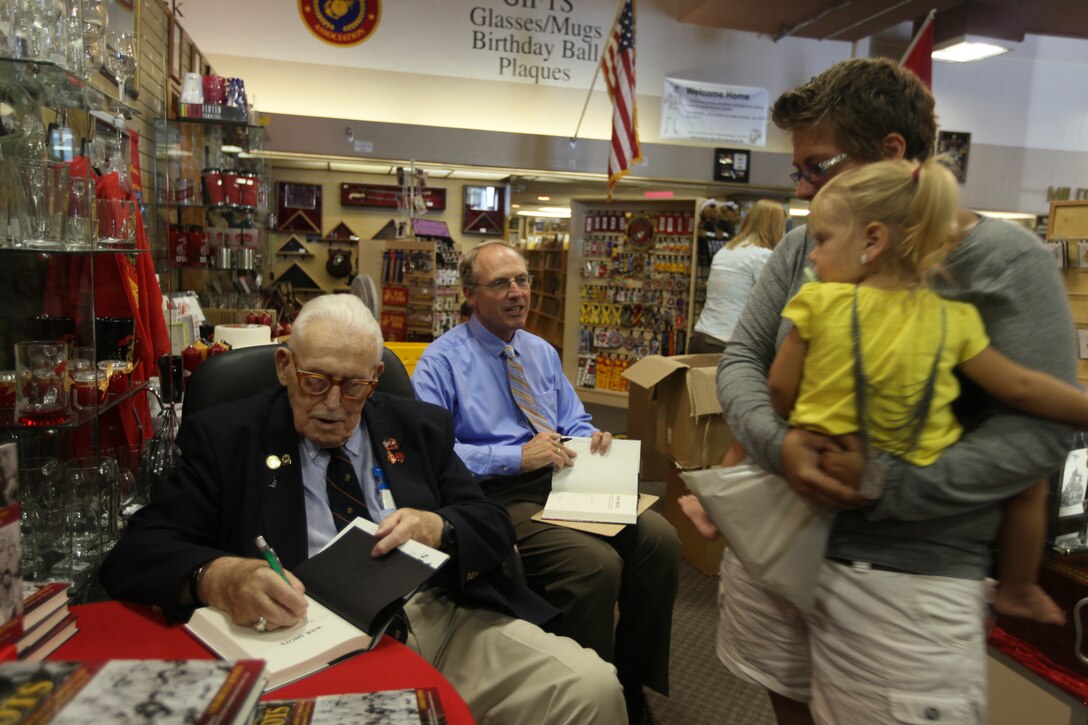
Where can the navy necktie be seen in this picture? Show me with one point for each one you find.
(345, 494)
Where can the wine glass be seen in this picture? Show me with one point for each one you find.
(121, 58)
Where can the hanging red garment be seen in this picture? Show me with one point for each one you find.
(124, 286)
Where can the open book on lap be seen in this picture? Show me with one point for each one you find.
(597, 488)
(351, 596)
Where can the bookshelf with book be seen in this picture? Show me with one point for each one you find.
(544, 242)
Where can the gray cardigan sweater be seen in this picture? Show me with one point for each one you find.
(941, 519)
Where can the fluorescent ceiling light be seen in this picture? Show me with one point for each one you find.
(228, 148)
(358, 167)
(968, 51)
(479, 175)
(552, 213)
(798, 212)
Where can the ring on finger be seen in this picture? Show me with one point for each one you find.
(261, 625)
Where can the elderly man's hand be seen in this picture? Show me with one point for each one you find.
(403, 524)
(801, 454)
(545, 449)
(248, 589)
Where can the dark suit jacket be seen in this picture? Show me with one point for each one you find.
(224, 494)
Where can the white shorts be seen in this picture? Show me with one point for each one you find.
(878, 647)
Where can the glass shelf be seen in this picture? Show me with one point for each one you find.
(51, 85)
(77, 417)
(73, 252)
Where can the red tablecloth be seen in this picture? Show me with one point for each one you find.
(113, 631)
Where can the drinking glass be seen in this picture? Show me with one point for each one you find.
(116, 223)
(91, 506)
(45, 187)
(40, 372)
(42, 506)
(80, 226)
(95, 18)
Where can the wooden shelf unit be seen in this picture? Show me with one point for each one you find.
(1068, 221)
(544, 243)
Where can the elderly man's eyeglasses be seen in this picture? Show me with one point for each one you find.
(502, 286)
(318, 384)
(816, 173)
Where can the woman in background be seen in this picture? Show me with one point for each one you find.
(733, 272)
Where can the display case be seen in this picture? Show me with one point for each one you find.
(72, 380)
(420, 292)
(212, 189)
(631, 277)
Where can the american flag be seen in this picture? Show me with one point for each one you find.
(618, 69)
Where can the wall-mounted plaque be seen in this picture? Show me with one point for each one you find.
(377, 196)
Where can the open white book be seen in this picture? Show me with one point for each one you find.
(597, 488)
(351, 598)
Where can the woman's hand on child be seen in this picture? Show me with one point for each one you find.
(802, 452)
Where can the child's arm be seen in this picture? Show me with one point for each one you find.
(1025, 389)
(784, 378)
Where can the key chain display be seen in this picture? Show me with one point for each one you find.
(636, 287)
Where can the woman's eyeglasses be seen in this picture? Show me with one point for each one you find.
(817, 173)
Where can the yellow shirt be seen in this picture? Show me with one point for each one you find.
(900, 334)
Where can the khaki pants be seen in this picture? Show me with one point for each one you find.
(510, 671)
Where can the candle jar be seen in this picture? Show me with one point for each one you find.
(7, 388)
(89, 388)
(117, 372)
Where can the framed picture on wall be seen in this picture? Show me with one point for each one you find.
(298, 207)
(957, 146)
(732, 165)
(484, 210)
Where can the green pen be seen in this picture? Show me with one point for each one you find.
(271, 558)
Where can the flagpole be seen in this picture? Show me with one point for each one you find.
(597, 72)
(918, 35)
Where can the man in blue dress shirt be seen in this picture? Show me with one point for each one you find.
(511, 405)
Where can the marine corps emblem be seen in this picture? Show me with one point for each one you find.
(341, 22)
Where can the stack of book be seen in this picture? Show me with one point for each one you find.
(165, 692)
(183, 692)
(47, 621)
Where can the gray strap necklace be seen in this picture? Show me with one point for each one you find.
(872, 478)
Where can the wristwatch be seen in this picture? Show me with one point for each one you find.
(448, 540)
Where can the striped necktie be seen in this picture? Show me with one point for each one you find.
(519, 386)
(345, 494)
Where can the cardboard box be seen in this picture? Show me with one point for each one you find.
(690, 426)
(706, 556)
(642, 425)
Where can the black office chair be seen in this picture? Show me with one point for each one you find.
(246, 371)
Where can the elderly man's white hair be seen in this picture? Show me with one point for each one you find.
(346, 313)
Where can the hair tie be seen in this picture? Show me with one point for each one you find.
(914, 174)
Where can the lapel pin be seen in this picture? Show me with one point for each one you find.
(273, 462)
